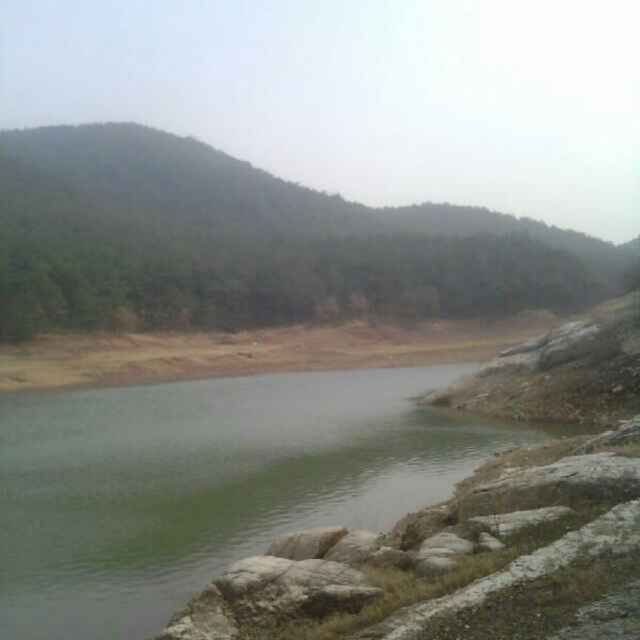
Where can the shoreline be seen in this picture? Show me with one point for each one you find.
(81, 361)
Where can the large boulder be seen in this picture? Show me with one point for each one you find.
(506, 524)
(306, 545)
(599, 476)
(265, 589)
(354, 548)
(206, 617)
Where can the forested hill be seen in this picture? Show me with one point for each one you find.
(123, 226)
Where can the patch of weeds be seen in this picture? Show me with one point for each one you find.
(536, 610)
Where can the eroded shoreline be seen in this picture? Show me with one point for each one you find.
(107, 360)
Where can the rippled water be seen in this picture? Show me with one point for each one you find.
(116, 505)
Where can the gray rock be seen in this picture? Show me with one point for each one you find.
(438, 553)
(615, 533)
(355, 547)
(263, 589)
(568, 342)
(516, 363)
(413, 528)
(487, 542)
(600, 476)
(206, 617)
(445, 543)
(563, 344)
(526, 347)
(628, 433)
(306, 545)
(506, 524)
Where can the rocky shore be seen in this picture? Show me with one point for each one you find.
(585, 371)
(537, 544)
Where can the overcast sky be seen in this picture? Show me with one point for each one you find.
(528, 107)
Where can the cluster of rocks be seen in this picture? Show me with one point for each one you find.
(615, 533)
(307, 574)
(313, 573)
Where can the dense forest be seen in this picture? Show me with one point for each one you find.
(123, 227)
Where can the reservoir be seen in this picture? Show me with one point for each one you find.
(116, 505)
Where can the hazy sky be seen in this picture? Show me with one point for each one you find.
(529, 107)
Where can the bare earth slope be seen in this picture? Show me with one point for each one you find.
(54, 361)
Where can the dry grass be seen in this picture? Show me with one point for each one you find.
(104, 359)
(540, 608)
(631, 450)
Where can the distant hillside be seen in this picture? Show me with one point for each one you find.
(123, 226)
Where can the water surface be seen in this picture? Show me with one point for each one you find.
(118, 504)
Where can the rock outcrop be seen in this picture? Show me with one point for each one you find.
(567, 342)
(506, 524)
(586, 371)
(599, 476)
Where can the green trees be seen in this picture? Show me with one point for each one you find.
(120, 227)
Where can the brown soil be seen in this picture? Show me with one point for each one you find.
(64, 360)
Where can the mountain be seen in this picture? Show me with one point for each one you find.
(119, 225)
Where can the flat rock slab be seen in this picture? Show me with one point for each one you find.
(615, 533)
(355, 547)
(506, 524)
(267, 588)
(306, 545)
(599, 476)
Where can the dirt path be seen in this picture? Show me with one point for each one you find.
(54, 361)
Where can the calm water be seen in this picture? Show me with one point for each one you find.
(116, 505)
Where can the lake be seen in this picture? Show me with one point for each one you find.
(118, 504)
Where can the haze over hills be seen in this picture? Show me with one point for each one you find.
(120, 225)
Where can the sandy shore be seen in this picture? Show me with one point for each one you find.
(91, 360)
